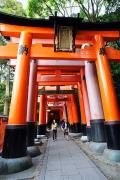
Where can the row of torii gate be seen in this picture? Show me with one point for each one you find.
(41, 62)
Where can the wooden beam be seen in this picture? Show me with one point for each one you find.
(89, 35)
(56, 83)
(49, 92)
(62, 68)
(50, 42)
(48, 33)
(49, 72)
(55, 78)
(39, 52)
(37, 32)
(56, 99)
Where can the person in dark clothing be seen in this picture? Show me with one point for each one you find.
(65, 127)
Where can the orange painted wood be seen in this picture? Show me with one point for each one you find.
(39, 52)
(74, 109)
(37, 32)
(85, 96)
(35, 102)
(108, 94)
(48, 33)
(89, 35)
(62, 68)
(69, 110)
(2, 133)
(54, 78)
(42, 110)
(50, 42)
(49, 72)
(18, 107)
(56, 83)
(81, 101)
(56, 99)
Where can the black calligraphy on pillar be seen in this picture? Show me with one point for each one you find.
(23, 50)
(102, 51)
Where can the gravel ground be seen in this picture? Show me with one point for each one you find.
(109, 169)
(31, 173)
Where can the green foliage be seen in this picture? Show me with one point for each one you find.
(45, 8)
(2, 41)
(12, 7)
(3, 97)
(115, 70)
(2, 93)
(4, 73)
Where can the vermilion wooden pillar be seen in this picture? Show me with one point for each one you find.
(35, 102)
(76, 120)
(96, 110)
(42, 116)
(69, 110)
(61, 113)
(64, 112)
(108, 96)
(31, 104)
(82, 110)
(47, 120)
(35, 108)
(15, 135)
(86, 102)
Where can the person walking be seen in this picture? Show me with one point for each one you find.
(54, 129)
(65, 127)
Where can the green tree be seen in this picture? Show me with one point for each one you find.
(12, 7)
(89, 10)
(92, 9)
(46, 8)
(6, 81)
(112, 11)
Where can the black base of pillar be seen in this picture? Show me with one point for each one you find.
(75, 128)
(88, 133)
(35, 130)
(98, 130)
(14, 141)
(41, 129)
(71, 128)
(83, 127)
(30, 133)
(112, 129)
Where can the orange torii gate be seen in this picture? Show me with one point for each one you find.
(63, 76)
(95, 34)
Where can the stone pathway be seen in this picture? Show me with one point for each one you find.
(64, 160)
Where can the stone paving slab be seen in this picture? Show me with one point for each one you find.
(64, 160)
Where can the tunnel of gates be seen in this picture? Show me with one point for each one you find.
(53, 58)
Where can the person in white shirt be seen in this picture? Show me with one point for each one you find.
(54, 129)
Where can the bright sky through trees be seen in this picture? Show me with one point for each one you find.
(24, 2)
